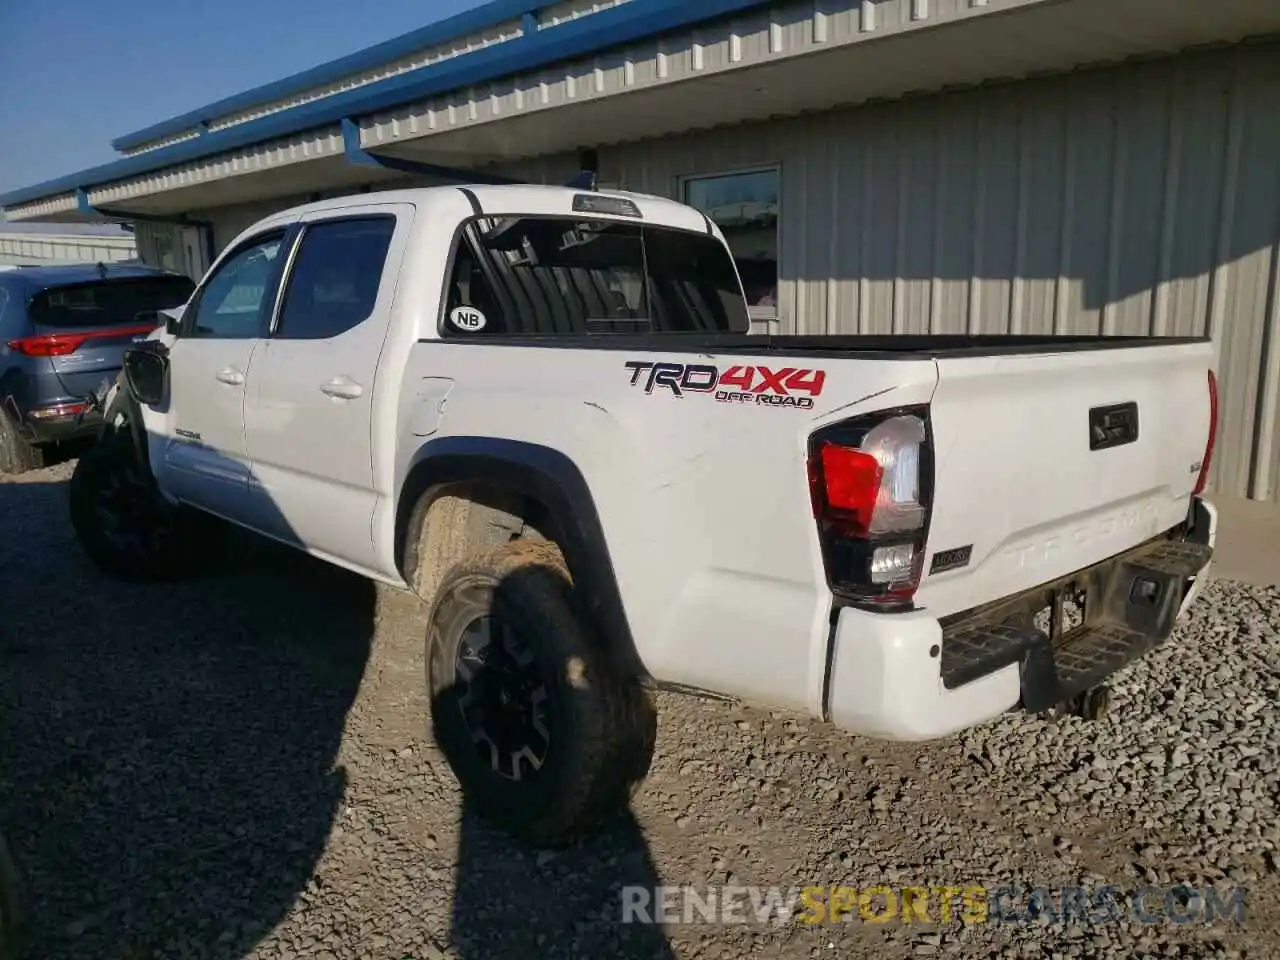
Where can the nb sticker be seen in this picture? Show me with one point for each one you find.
(467, 318)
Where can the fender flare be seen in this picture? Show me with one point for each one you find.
(119, 402)
(548, 477)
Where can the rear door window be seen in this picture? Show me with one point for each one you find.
(525, 276)
(102, 303)
(333, 283)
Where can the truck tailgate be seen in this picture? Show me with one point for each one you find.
(1046, 463)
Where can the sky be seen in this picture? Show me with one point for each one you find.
(76, 74)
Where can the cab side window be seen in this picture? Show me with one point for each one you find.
(333, 283)
(235, 303)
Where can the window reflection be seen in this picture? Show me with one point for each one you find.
(745, 208)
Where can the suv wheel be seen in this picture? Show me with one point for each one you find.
(125, 526)
(16, 454)
(546, 738)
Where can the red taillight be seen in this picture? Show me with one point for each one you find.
(847, 485)
(870, 480)
(65, 344)
(58, 411)
(55, 346)
(1203, 479)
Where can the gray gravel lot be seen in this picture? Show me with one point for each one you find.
(239, 767)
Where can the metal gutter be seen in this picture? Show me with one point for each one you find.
(585, 36)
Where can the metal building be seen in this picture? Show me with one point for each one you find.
(33, 247)
(877, 165)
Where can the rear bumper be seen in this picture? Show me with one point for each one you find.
(43, 412)
(909, 676)
(62, 429)
(49, 423)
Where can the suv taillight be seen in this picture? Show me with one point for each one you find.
(1212, 439)
(65, 344)
(870, 480)
(59, 345)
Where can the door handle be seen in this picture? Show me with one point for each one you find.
(342, 388)
(230, 376)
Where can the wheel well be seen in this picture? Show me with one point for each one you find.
(124, 407)
(459, 503)
(457, 519)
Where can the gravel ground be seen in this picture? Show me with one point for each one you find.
(239, 768)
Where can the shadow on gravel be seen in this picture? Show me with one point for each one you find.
(60, 453)
(167, 778)
(513, 904)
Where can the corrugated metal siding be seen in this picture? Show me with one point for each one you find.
(455, 48)
(760, 36)
(500, 33)
(172, 247)
(158, 244)
(168, 141)
(36, 248)
(1141, 199)
(313, 145)
(572, 10)
(228, 222)
(65, 203)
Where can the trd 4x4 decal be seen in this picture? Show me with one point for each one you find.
(738, 384)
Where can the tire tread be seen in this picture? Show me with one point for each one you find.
(614, 731)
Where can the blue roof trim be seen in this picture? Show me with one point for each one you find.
(453, 28)
(576, 38)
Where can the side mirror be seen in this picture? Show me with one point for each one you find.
(146, 372)
(172, 319)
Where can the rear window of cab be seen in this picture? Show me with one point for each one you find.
(544, 275)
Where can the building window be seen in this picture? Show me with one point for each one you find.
(745, 208)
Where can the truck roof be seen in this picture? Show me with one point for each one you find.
(526, 199)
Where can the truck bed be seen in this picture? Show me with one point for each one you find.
(873, 346)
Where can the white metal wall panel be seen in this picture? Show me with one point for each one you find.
(500, 33)
(312, 145)
(37, 248)
(1142, 199)
(573, 10)
(421, 58)
(758, 36)
(45, 207)
(159, 245)
(228, 222)
(168, 141)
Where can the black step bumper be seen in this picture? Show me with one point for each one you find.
(1070, 635)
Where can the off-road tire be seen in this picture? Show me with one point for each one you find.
(602, 724)
(17, 455)
(156, 541)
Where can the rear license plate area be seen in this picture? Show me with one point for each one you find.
(1063, 612)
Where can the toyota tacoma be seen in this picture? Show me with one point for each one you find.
(541, 410)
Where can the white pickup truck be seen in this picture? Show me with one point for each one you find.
(540, 409)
